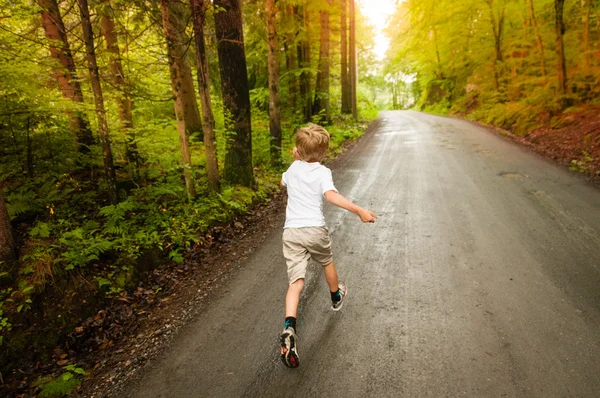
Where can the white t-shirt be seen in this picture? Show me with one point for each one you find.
(306, 184)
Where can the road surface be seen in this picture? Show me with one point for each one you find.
(480, 279)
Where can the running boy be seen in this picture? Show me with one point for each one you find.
(305, 235)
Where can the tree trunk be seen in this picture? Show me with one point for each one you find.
(322, 91)
(586, 5)
(346, 94)
(274, 109)
(107, 157)
(560, 47)
(7, 244)
(236, 95)
(538, 37)
(291, 58)
(353, 69)
(212, 166)
(124, 101)
(191, 113)
(176, 67)
(304, 64)
(66, 74)
(497, 30)
(440, 68)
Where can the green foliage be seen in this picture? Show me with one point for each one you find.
(56, 196)
(583, 164)
(62, 385)
(444, 52)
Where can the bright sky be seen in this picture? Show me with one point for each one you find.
(377, 11)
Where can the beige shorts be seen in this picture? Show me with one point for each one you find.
(302, 244)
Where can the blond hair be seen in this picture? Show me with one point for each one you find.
(312, 142)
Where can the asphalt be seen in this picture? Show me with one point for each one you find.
(481, 279)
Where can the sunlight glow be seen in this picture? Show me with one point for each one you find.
(377, 12)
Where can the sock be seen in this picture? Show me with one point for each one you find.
(336, 296)
(290, 321)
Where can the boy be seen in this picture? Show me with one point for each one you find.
(305, 235)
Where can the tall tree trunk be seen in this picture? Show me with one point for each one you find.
(191, 114)
(440, 68)
(66, 74)
(212, 166)
(7, 244)
(586, 5)
(290, 44)
(107, 157)
(345, 75)
(304, 63)
(274, 109)
(176, 67)
(497, 30)
(322, 91)
(560, 47)
(236, 95)
(124, 101)
(538, 37)
(353, 66)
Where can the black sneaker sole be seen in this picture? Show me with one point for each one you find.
(290, 358)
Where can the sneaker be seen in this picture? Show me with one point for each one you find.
(337, 305)
(289, 351)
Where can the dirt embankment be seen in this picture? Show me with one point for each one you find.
(572, 139)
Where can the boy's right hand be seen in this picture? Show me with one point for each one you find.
(367, 215)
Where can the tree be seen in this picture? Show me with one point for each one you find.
(304, 63)
(560, 46)
(212, 167)
(177, 66)
(273, 60)
(321, 102)
(345, 76)
(65, 72)
(290, 47)
(586, 6)
(236, 95)
(107, 157)
(538, 37)
(7, 243)
(353, 66)
(179, 15)
(497, 30)
(123, 97)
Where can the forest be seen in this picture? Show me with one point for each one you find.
(128, 129)
(509, 63)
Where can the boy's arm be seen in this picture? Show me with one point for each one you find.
(336, 199)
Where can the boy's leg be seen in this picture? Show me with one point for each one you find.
(292, 298)
(289, 349)
(337, 289)
(331, 277)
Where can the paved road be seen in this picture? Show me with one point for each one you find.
(481, 279)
